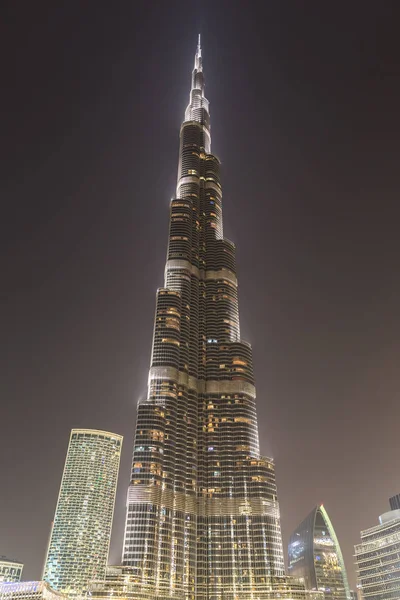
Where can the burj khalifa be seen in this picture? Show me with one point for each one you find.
(202, 519)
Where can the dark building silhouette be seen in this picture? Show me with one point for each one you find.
(394, 502)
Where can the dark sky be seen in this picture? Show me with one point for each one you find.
(305, 116)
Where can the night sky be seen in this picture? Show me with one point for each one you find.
(305, 117)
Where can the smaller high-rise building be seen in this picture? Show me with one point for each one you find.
(377, 559)
(394, 502)
(80, 537)
(10, 570)
(315, 556)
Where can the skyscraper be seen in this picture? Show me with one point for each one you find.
(202, 511)
(378, 559)
(80, 537)
(315, 556)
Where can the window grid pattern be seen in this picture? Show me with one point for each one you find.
(29, 590)
(10, 570)
(378, 559)
(315, 556)
(202, 518)
(80, 537)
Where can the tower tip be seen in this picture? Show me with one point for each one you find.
(197, 59)
(198, 50)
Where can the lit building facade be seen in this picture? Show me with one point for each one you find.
(121, 584)
(315, 556)
(202, 516)
(80, 537)
(377, 559)
(10, 570)
(29, 590)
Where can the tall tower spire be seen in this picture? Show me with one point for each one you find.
(198, 108)
(202, 512)
(197, 59)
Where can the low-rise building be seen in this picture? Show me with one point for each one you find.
(10, 570)
(29, 590)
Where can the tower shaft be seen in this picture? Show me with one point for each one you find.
(202, 512)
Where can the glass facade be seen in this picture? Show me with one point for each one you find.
(80, 537)
(315, 557)
(121, 584)
(202, 516)
(10, 570)
(378, 559)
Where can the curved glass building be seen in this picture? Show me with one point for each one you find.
(80, 536)
(315, 556)
(202, 511)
